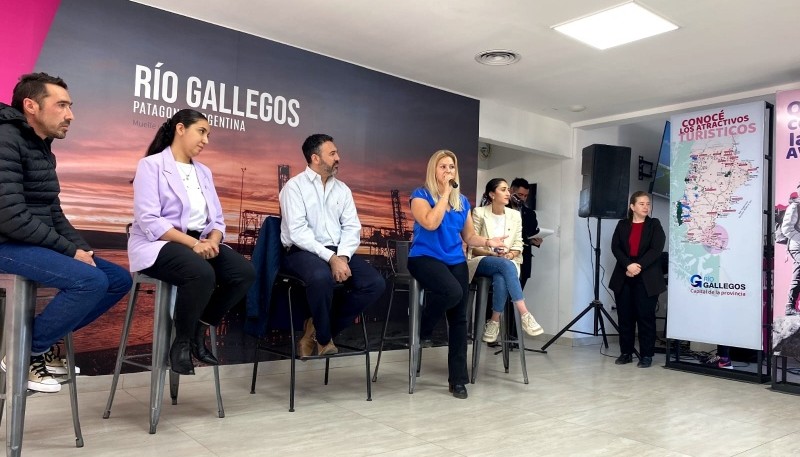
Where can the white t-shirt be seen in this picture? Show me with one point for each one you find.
(499, 221)
(198, 211)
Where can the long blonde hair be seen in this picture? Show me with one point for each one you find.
(433, 186)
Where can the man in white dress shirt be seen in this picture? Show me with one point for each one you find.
(321, 232)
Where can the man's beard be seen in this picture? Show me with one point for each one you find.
(332, 169)
(57, 133)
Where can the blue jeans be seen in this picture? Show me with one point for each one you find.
(505, 281)
(85, 292)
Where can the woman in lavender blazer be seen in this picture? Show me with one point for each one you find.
(177, 235)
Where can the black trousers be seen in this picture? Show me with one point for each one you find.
(526, 267)
(361, 290)
(207, 289)
(635, 308)
(447, 293)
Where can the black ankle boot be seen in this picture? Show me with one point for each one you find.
(199, 350)
(458, 390)
(180, 357)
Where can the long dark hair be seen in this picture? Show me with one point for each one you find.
(166, 133)
(634, 196)
(491, 186)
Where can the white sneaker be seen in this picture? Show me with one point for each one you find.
(491, 331)
(56, 364)
(530, 325)
(39, 379)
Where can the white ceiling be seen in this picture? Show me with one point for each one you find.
(722, 47)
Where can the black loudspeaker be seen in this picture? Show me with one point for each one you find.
(606, 174)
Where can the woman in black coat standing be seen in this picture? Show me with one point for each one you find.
(637, 279)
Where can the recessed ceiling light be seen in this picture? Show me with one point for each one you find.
(498, 57)
(615, 26)
(576, 108)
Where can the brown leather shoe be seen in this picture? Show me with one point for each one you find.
(309, 331)
(308, 342)
(327, 349)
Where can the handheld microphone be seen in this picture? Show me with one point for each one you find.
(454, 184)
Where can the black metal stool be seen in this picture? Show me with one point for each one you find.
(290, 282)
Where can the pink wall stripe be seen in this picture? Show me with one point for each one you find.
(27, 23)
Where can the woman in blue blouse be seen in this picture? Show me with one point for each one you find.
(437, 261)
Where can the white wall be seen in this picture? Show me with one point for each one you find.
(581, 251)
(644, 140)
(547, 152)
(503, 125)
(540, 296)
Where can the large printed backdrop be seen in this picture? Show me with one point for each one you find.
(128, 66)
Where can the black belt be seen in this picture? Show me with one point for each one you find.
(292, 249)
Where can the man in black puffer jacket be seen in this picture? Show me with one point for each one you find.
(36, 239)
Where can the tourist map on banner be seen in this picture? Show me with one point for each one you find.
(715, 174)
(715, 227)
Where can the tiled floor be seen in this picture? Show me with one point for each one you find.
(577, 403)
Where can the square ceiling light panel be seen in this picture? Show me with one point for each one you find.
(615, 26)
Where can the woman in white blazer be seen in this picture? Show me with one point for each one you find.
(501, 264)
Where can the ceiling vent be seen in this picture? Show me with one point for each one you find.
(498, 57)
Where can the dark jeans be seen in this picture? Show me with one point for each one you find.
(85, 292)
(635, 308)
(447, 292)
(794, 287)
(361, 290)
(207, 289)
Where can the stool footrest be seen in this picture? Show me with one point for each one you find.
(146, 366)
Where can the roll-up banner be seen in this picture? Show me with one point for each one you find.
(786, 324)
(715, 227)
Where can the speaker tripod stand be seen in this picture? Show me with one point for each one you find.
(596, 306)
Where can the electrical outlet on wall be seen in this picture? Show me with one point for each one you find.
(484, 151)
